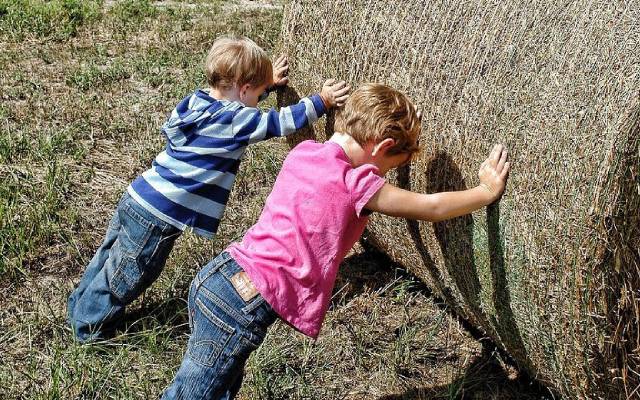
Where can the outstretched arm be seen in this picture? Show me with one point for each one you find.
(253, 125)
(435, 207)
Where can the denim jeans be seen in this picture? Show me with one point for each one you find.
(225, 330)
(129, 260)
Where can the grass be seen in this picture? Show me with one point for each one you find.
(94, 76)
(85, 87)
(57, 19)
(133, 11)
(27, 225)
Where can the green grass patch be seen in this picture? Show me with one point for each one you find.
(91, 76)
(32, 212)
(132, 11)
(58, 19)
(23, 86)
(169, 68)
(46, 147)
(13, 145)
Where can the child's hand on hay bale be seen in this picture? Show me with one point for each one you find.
(281, 71)
(436, 207)
(334, 94)
(494, 171)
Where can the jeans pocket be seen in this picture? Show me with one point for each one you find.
(126, 279)
(154, 256)
(135, 231)
(210, 336)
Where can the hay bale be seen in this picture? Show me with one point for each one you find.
(551, 273)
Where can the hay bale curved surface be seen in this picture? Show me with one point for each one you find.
(551, 272)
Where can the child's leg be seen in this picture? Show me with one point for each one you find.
(225, 330)
(95, 265)
(134, 261)
(235, 386)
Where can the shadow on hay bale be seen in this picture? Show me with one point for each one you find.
(455, 238)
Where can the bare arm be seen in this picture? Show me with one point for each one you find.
(435, 207)
(392, 200)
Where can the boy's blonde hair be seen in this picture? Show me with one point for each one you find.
(375, 112)
(237, 60)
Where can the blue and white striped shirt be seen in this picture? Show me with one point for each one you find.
(189, 182)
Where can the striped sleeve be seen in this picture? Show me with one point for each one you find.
(252, 125)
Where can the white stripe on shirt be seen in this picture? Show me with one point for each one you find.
(178, 195)
(286, 121)
(186, 170)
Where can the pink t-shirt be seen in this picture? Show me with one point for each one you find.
(310, 221)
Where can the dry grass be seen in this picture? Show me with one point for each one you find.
(551, 272)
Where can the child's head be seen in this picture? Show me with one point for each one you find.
(376, 112)
(237, 63)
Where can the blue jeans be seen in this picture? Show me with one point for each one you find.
(129, 260)
(225, 330)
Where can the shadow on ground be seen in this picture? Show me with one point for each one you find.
(171, 312)
(486, 377)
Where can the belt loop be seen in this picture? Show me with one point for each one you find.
(197, 282)
(220, 261)
(255, 303)
(212, 271)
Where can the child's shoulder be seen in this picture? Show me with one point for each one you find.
(200, 101)
(320, 156)
(312, 147)
(329, 168)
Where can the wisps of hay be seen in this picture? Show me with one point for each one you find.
(552, 272)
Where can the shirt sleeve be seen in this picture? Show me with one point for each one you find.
(252, 125)
(362, 183)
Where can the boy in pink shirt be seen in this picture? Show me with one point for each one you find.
(285, 266)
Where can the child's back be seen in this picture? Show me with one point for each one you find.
(189, 182)
(312, 218)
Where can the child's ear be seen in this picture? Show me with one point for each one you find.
(383, 146)
(243, 89)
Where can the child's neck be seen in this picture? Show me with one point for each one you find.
(355, 152)
(221, 94)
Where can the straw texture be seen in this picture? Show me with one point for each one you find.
(551, 272)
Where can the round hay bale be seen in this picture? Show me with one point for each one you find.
(552, 271)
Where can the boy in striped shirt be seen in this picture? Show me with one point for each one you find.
(188, 184)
